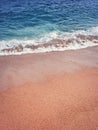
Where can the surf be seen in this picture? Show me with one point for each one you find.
(54, 41)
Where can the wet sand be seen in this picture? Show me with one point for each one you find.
(50, 91)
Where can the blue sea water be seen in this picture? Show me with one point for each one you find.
(31, 22)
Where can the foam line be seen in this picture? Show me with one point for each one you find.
(55, 41)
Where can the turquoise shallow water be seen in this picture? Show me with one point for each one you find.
(32, 22)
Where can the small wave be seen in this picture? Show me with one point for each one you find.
(55, 41)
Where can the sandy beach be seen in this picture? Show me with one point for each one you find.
(50, 91)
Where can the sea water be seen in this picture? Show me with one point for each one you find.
(34, 26)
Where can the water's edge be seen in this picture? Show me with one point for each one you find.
(54, 41)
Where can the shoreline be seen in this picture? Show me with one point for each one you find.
(50, 91)
(36, 67)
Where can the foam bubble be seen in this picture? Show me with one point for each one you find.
(54, 41)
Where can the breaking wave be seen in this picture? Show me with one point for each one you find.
(54, 41)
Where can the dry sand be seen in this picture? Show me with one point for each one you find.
(50, 91)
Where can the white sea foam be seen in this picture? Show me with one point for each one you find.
(54, 41)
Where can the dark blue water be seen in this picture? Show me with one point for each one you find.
(34, 19)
